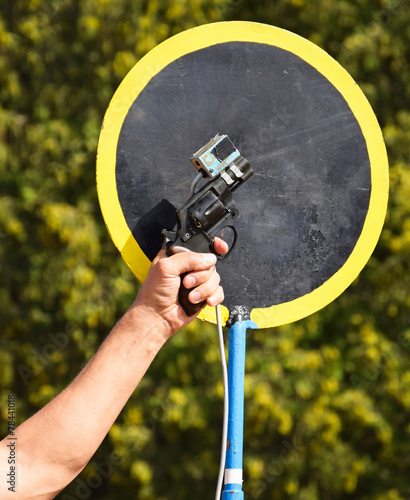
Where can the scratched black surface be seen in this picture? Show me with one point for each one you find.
(303, 210)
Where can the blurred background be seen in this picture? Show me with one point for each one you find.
(327, 410)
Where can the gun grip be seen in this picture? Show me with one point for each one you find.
(189, 308)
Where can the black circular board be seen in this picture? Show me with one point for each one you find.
(304, 209)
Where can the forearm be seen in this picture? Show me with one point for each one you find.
(106, 383)
(58, 441)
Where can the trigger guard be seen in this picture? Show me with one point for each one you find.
(225, 255)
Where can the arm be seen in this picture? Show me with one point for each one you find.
(56, 443)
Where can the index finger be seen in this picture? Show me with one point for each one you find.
(220, 246)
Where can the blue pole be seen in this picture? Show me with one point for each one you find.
(236, 380)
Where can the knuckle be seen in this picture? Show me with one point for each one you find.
(162, 265)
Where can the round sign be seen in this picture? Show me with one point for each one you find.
(312, 213)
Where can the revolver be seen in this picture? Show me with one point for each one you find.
(212, 208)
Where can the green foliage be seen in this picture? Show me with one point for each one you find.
(327, 398)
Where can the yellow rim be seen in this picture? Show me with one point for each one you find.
(239, 31)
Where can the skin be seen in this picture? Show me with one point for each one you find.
(56, 443)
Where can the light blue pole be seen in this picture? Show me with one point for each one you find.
(236, 380)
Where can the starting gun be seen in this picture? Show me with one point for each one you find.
(212, 208)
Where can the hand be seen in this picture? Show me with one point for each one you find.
(159, 293)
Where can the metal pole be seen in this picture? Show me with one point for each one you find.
(236, 379)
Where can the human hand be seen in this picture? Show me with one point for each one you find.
(159, 293)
